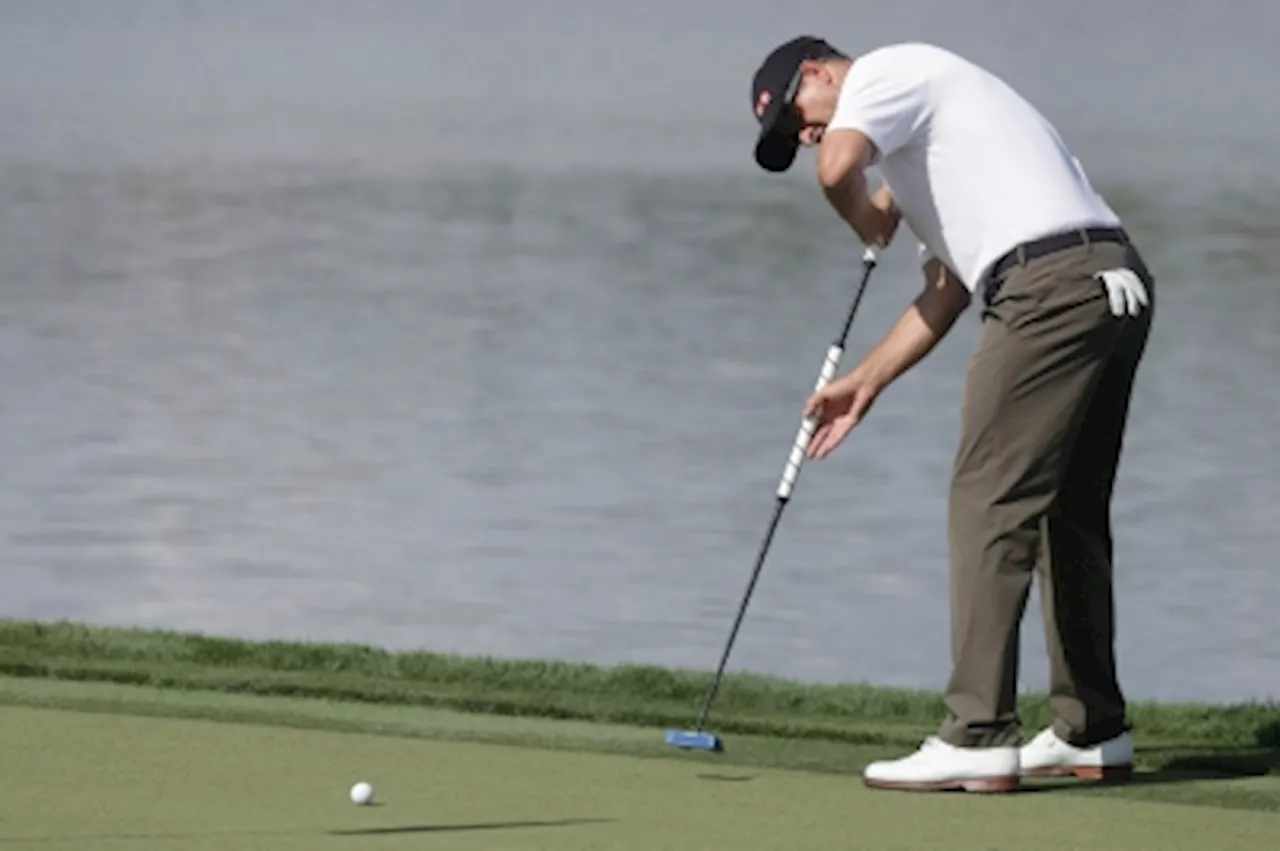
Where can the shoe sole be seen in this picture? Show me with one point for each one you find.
(1091, 773)
(982, 785)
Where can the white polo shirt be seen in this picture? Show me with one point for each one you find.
(974, 168)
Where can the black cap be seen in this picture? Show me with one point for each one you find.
(775, 85)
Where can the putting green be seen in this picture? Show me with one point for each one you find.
(101, 781)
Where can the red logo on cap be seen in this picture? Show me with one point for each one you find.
(762, 103)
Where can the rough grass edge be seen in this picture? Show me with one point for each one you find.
(643, 695)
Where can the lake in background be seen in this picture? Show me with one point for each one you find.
(473, 327)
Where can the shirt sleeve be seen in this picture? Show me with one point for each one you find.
(885, 103)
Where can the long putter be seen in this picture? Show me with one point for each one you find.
(697, 738)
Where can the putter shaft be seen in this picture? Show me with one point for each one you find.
(786, 485)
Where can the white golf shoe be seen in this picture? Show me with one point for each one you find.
(938, 765)
(1048, 756)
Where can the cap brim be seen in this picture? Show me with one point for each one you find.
(776, 151)
(778, 143)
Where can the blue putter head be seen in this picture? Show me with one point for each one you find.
(694, 741)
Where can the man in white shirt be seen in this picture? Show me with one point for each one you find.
(1004, 213)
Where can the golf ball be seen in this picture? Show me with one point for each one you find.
(361, 793)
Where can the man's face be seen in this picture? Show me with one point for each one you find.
(815, 101)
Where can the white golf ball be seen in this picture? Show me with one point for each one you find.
(361, 793)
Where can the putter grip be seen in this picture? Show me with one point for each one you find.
(788, 481)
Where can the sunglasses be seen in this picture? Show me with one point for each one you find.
(789, 122)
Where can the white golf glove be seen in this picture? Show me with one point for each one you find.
(1125, 291)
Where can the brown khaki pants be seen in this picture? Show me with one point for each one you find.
(1046, 399)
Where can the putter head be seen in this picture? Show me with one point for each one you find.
(690, 740)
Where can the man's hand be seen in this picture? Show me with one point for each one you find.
(881, 219)
(838, 407)
(875, 219)
(874, 224)
(842, 404)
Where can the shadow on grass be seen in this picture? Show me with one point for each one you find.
(1210, 763)
(367, 831)
(458, 828)
(728, 778)
(1179, 765)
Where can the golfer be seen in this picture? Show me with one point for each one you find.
(1004, 214)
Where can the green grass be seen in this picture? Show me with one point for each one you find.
(1193, 753)
(76, 780)
(1243, 781)
(628, 694)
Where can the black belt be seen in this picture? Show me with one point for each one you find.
(1047, 245)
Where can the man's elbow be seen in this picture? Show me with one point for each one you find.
(833, 176)
(835, 179)
(944, 298)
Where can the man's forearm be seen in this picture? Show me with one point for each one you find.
(848, 196)
(910, 339)
(842, 155)
(919, 329)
